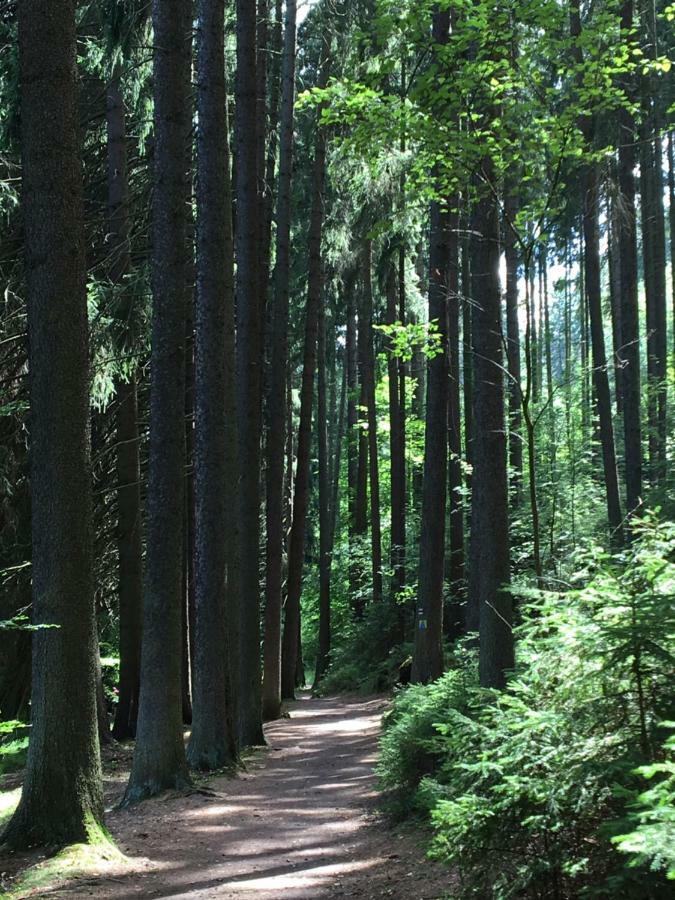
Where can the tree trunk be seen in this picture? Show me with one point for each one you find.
(395, 367)
(213, 738)
(654, 249)
(490, 606)
(276, 406)
(249, 294)
(323, 649)
(159, 756)
(455, 555)
(427, 663)
(591, 234)
(368, 381)
(290, 641)
(513, 345)
(129, 520)
(61, 801)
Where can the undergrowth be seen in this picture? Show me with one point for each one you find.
(563, 785)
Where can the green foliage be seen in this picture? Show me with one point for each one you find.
(528, 791)
(652, 841)
(13, 746)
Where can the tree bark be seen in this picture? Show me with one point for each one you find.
(290, 641)
(213, 738)
(490, 605)
(368, 381)
(61, 801)
(276, 405)
(323, 649)
(249, 293)
(427, 663)
(513, 345)
(455, 554)
(129, 519)
(159, 756)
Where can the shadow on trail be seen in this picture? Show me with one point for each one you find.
(297, 825)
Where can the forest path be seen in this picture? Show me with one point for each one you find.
(298, 824)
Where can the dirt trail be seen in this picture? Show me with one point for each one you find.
(298, 824)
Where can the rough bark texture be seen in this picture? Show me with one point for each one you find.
(591, 235)
(129, 518)
(368, 381)
(628, 290)
(249, 374)
(396, 374)
(323, 648)
(213, 738)
(428, 641)
(513, 345)
(159, 756)
(490, 606)
(455, 555)
(276, 405)
(61, 801)
(290, 642)
(427, 663)
(129, 548)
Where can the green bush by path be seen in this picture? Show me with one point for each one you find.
(540, 791)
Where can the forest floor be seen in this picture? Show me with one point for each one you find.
(299, 822)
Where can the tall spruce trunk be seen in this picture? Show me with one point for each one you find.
(490, 605)
(276, 406)
(213, 741)
(654, 249)
(427, 662)
(455, 554)
(249, 300)
(290, 641)
(323, 649)
(513, 344)
(628, 289)
(395, 372)
(591, 256)
(159, 755)
(61, 801)
(129, 517)
(603, 398)
(368, 381)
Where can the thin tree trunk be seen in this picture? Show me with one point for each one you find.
(249, 300)
(455, 556)
(396, 456)
(513, 344)
(213, 741)
(61, 801)
(654, 248)
(290, 641)
(276, 407)
(129, 520)
(490, 605)
(368, 378)
(323, 649)
(591, 233)
(427, 663)
(159, 756)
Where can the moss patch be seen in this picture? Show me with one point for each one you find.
(100, 858)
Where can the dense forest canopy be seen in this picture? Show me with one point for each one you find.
(337, 349)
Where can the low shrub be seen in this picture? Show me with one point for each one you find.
(536, 791)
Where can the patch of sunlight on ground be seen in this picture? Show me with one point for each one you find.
(314, 877)
(71, 863)
(9, 800)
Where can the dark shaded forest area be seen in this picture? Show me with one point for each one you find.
(337, 353)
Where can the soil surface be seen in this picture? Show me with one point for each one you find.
(299, 823)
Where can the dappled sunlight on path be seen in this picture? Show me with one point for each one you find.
(299, 823)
